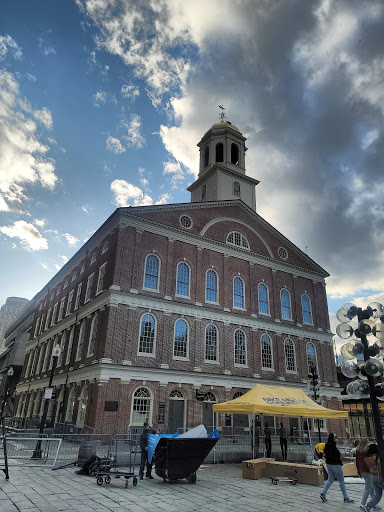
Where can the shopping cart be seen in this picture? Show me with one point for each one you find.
(119, 464)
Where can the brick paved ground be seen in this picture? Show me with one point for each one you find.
(219, 488)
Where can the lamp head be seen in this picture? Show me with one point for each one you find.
(10, 372)
(56, 351)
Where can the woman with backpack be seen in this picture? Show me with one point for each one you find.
(332, 457)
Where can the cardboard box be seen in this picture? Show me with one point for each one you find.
(304, 474)
(255, 468)
(349, 469)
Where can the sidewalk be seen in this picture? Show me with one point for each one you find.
(219, 488)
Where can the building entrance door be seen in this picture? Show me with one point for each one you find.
(176, 416)
(209, 400)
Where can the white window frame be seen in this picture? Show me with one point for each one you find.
(54, 313)
(147, 354)
(69, 302)
(211, 361)
(310, 309)
(80, 346)
(91, 334)
(233, 293)
(306, 355)
(78, 295)
(294, 371)
(180, 358)
(101, 278)
(242, 239)
(105, 247)
(63, 339)
(93, 258)
(37, 325)
(281, 304)
(48, 352)
(48, 319)
(217, 288)
(70, 344)
(267, 368)
(258, 300)
(158, 273)
(150, 415)
(61, 309)
(74, 275)
(240, 365)
(188, 296)
(88, 290)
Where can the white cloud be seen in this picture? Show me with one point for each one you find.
(40, 222)
(141, 171)
(23, 158)
(30, 77)
(129, 91)
(113, 144)
(71, 240)
(64, 258)
(7, 44)
(30, 237)
(144, 182)
(100, 98)
(44, 265)
(85, 208)
(174, 169)
(58, 267)
(134, 137)
(127, 194)
(164, 199)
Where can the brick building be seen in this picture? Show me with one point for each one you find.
(8, 312)
(164, 302)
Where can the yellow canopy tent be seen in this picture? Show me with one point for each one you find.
(277, 401)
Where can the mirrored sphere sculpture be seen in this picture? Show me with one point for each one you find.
(358, 389)
(350, 369)
(346, 353)
(378, 331)
(344, 331)
(377, 309)
(374, 367)
(366, 326)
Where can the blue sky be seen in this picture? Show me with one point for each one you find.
(102, 104)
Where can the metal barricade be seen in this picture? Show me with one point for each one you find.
(22, 451)
(83, 445)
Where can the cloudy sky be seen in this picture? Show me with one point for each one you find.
(102, 104)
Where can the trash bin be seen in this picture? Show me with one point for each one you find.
(181, 458)
(86, 450)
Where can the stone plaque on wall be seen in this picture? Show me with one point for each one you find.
(111, 406)
(161, 416)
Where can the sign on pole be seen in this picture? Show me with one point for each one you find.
(48, 393)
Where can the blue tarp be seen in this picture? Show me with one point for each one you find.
(153, 439)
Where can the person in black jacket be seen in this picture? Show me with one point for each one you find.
(144, 453)
(332, 457)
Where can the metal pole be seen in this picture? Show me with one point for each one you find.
(373, 399)
(37, 452)
(253, 434)
(4, 435)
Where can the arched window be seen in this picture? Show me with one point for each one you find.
(211, 287)
(105, 247)
(285, 300)
(235, 154)
(180, 342)
(306, 307)
(263, 299)
(211, 343)
(147, 334)
(311, 357)
(176, 394)
(182, 282)
(236, 188)
(238, 293)
(289, 351)
(266, 352)
(209, 397)
(93, 334)
(238, 394)
(141, 407)
(151, 276)
(80, 343)
(204, 192)
(240, 347)
(236, 238)
(206, 156)
(220, 152)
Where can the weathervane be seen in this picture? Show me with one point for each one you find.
(222, 113)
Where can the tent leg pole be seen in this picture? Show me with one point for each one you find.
(253, 436)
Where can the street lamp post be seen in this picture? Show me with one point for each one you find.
(367, 365)
(315, 392)
(55, 356)
(10, 372)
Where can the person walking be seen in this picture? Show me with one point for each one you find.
(364, 471)
(144, 453)
(334, 466)
(283, 442)
(373, 462)
(267, 440)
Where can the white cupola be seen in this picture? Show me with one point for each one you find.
(222, 167)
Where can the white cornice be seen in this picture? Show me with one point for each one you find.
(102, 372)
